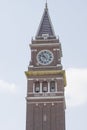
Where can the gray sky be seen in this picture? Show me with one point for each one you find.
(19, 21)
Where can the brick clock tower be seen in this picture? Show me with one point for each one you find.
(45, 80)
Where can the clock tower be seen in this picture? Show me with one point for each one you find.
(45, 100)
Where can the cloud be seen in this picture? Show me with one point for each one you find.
(7, 87)
(76, 90)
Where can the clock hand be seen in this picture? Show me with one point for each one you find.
(45, 56)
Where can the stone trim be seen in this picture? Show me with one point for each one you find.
(44, 44)
(50, 97)
(45, 102)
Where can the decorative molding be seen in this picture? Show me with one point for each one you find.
(60, 78)
(31, 66)
(59, 92)
(44, 44)
(34, 50)
(52, 104)
(36, 104)
(56, 86)
(45, 36)
(33, 88)
(45, 102)
(58, 65)
(30, 79)
(50, 97)
(43, 78)
(56, 49)
(45, 72)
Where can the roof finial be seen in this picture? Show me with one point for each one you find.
(46, 4)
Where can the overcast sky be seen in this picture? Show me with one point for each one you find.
(19, 21)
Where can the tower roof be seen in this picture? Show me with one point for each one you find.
(45, 29)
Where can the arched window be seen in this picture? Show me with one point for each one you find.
(37, 87)
(45, 86)
(52, 86)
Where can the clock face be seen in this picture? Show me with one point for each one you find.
(45, 57)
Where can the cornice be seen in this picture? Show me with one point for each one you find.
(44, 44)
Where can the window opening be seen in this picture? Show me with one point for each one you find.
(52, 86)
(37, 87)
(45, 86)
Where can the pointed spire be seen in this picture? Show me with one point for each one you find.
(46, 5)
(45, 28)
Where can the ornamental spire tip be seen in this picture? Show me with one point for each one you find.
(46, 5)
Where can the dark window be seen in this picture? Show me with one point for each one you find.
(37, 87)
(52, 86)
(45, 86)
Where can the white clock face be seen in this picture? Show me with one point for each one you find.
(45, 57)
